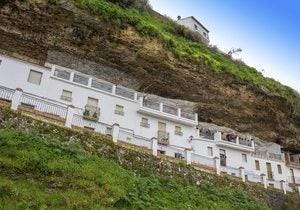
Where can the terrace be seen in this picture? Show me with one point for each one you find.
(234, 141)
(167, 112)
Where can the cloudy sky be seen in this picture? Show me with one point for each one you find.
(268, 31)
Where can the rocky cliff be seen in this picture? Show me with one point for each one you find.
(60, 32)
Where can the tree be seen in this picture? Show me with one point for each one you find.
(234, 51)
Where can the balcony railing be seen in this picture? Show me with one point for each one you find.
(163, 137)
(151, 105)
(170, 109)
(63, 74)
(91, 113)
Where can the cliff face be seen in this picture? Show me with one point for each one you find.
(41, 32)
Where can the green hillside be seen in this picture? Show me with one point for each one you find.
(183, 44)
(47, 167)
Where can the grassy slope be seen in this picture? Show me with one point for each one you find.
(178, 40)
(44, 171)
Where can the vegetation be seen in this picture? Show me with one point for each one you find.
(45, 166)
(39, 172)
(184, 44)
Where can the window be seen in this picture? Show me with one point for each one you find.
(279, 169)
(196, 27)
(204, 34)
(35, 77)
(257, 166)
(144, 122)
(246, 177)
(210, 151)
(66, 95)
(244, 158)
(119, 110)
(178, 131)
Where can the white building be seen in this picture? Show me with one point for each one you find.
(79, 100)
(194, 25)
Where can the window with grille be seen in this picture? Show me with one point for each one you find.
(35, 77)
(244, 158)
(257, 166)
(145, 122)
(210, 151)
(279, 169)
(178, 130)
(66, 95)
(119, 110)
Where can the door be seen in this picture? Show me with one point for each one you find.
(162, 135)
(222, 157)
(269, 171)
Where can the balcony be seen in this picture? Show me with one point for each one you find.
(167, 112)
(233, 141)
(267, 155)
(91, 113)
(163, 138)
(292, 160)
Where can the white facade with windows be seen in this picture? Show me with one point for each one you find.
(83, 101)
(194, 25)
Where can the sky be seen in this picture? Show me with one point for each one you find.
(268, 31)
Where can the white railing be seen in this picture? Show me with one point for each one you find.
(187, 115)
(6, 93)
(173, 151)
(151, 105)
(128, 136)
(79, 121)
(44, 105)
(203, 160)
(100, 85)
(124, 92)
(63, 74)
(230, 170)
(252, 177)
(170, 110)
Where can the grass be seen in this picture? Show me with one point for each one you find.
(182, 43)
(46, 172)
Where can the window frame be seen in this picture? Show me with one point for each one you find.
(178, 132)
(210, 149)
(257, 167)
(66, 98)
(29, 77)
(279, 169)
(119, 112)
(146, 123)
(244, 158)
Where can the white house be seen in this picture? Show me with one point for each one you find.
(79, 100)
(194, 25)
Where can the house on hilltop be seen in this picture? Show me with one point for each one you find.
(194, 25)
